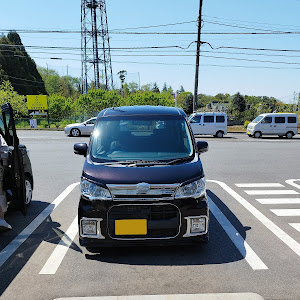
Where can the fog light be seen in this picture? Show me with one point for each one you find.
(89, 227)
(198, 225)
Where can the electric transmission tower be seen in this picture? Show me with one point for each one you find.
(95, 48)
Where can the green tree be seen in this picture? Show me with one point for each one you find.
(165, 88)
(18, 67)
(155, 88)
(18, 102)
(66, 86)
(181, 98)
(188, 104)
(181, 90)
(59, 106)
(239, 103)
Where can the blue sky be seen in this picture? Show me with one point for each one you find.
(223, 70)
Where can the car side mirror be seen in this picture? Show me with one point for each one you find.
(202, 146)
(81, 149)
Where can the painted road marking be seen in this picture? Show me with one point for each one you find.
(295, 225)
(61, 249)
(279, 201)
(292, 183)
(223, 296)
(271, 192)
(251, 257)
(286, 212)
(284, 237)
(7, 252)
(259, 185)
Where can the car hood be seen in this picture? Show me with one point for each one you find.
(74, 124)
(162, 174)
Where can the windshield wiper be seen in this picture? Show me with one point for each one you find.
(145, 163)
(178, 160)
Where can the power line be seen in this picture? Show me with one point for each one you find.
(153, 26)
(206, 65)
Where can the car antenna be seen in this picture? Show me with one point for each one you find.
(113, 106)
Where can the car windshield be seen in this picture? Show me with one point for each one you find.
(257, 119)
(141, 138)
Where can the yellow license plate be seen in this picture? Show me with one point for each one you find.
(248, 132)
(131, 227)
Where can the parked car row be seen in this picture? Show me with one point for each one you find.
(215, 123)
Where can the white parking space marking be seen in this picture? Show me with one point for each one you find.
(61, 249)
(295, 225)
(279, 201)
(286, 212)
(292, 183)
(250, 256)
(259, 185)
(8, 251)
(283, 236)
(212, 296)
(271, 192)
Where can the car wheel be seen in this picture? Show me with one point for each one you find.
(257, 134)
(75, 132)
(219, 134)
(28, 190)
(289, 135)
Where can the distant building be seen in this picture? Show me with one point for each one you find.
(217, 106)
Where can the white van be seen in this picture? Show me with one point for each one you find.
(281, 124)
(214, 123)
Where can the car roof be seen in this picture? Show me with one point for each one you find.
(141, 110)
(277, 114)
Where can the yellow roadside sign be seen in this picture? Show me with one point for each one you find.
(37, 102)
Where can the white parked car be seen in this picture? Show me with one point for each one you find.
(281, 124)
(78, 129)
(213, 123)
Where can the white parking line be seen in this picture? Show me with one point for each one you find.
(7, 252)
(61, 249)
(286, 212)
(292, 183)
(251, 257)
(271, 192)
(217, 296)
(259, 185)
(284, 237)
(279, 201)
(295, 225)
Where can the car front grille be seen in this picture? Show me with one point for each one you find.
(155, 192)
(163, 220)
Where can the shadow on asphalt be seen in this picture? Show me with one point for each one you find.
(48, 231)
(219, 250)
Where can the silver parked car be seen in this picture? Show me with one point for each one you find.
(78, 129)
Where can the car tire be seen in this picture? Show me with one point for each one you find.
(219, 134)
(28, 190)
(289, 135)
(75, 132)
(257, 134)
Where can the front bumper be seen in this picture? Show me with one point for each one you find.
(67, 130)
(250, 131)
(168, 222)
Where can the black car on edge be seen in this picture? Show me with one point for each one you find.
(142, 180)
(18, 177)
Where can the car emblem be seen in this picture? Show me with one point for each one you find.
(143, 188)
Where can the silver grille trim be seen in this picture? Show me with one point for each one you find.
(156, 192)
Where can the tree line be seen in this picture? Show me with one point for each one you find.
(19, 76)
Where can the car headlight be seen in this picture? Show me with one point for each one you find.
(93, 191)
(194, 189)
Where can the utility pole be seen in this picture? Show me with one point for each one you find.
(197, 57)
